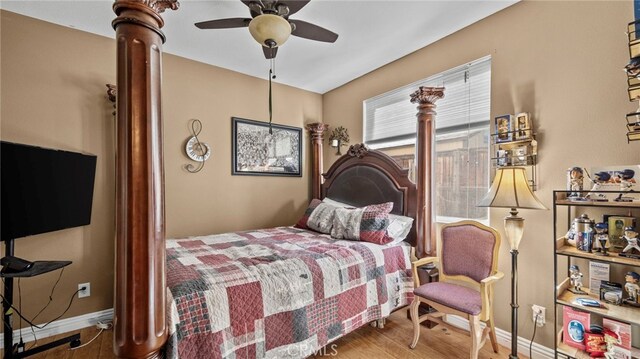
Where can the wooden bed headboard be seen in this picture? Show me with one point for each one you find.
(364, 176)
(140, 327)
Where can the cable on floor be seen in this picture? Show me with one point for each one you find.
(102, 325)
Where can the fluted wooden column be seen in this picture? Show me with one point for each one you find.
(425, 97)
(317, 131)
(140, 286)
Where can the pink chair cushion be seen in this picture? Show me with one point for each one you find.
(453, 296)
(467, 250)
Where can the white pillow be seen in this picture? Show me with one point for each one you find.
(399, 226)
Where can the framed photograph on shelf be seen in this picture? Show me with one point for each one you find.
(616, 226)
(522, 126)
(256, 152)
(617, 178)
(502, 158)
(519, 156)
(504, 131)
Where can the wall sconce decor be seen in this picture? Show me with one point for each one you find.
(196, 150)
(339, 137)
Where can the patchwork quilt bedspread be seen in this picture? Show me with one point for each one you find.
(277, 293)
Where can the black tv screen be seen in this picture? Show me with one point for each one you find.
(44, 190)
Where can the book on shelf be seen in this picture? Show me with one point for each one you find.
(575, 324)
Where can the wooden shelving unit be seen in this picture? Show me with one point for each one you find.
(563, 247)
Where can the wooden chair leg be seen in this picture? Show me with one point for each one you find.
(475, 330)
(416, 322)
(492, 333)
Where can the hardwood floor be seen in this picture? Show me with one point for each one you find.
(365, 343)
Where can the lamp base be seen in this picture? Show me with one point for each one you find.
(511, 356)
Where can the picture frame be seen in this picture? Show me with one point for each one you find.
(519, 156)
(502, 158)
(504, 128)
(616, 224)
(522, 130)
(255, 152)
(615, 182)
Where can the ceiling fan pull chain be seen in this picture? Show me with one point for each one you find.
(270, 103)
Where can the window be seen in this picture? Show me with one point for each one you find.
(461, 168)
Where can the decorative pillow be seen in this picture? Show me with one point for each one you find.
(318, 217)
(332, 202)
(367, 224)
(399, 226)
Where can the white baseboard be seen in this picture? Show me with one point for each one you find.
(91, 319)
(60, 326)
(538, 351)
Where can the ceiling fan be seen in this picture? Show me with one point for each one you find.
(270, 24)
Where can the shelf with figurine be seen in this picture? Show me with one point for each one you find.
(614, 239)
(601, 228)
(572, 294)
(580, 336)
(608, 185)
(610, 340)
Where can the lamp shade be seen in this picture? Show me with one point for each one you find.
(510, 189)
(268, 27)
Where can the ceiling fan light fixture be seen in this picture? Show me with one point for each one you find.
(267, 27)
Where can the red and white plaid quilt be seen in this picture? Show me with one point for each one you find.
(277, 293)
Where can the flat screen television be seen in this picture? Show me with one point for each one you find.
(44, 190)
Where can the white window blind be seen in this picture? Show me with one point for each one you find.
(390, 119)
(461, 163)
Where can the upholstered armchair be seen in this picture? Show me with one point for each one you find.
(468, 261)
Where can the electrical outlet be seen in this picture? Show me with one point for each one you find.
(86, 292)
(539, 312)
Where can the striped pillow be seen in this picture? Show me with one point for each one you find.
(367, 224)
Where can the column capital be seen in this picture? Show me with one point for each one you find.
(317, 129)
(143, 12)
(427, 95)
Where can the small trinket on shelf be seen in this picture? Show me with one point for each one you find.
(575, 176)
(602, 238)
(632, 288)
(626, 184)
(598, 180)
(632, 249)
(576, 280)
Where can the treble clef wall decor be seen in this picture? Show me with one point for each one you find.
(196, 150)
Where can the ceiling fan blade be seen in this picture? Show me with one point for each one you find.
(269, 53)
(224, 23)
(295, 5)
(312, 32)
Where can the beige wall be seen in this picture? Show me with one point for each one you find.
(53, 95)
(560, 61)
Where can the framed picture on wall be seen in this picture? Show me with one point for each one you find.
(504, 132)
(257, 152)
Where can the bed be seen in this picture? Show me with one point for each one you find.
(339, 285)
(277, 293)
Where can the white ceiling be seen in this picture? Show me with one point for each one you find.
(372, 33)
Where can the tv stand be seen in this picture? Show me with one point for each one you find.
(34, 269)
